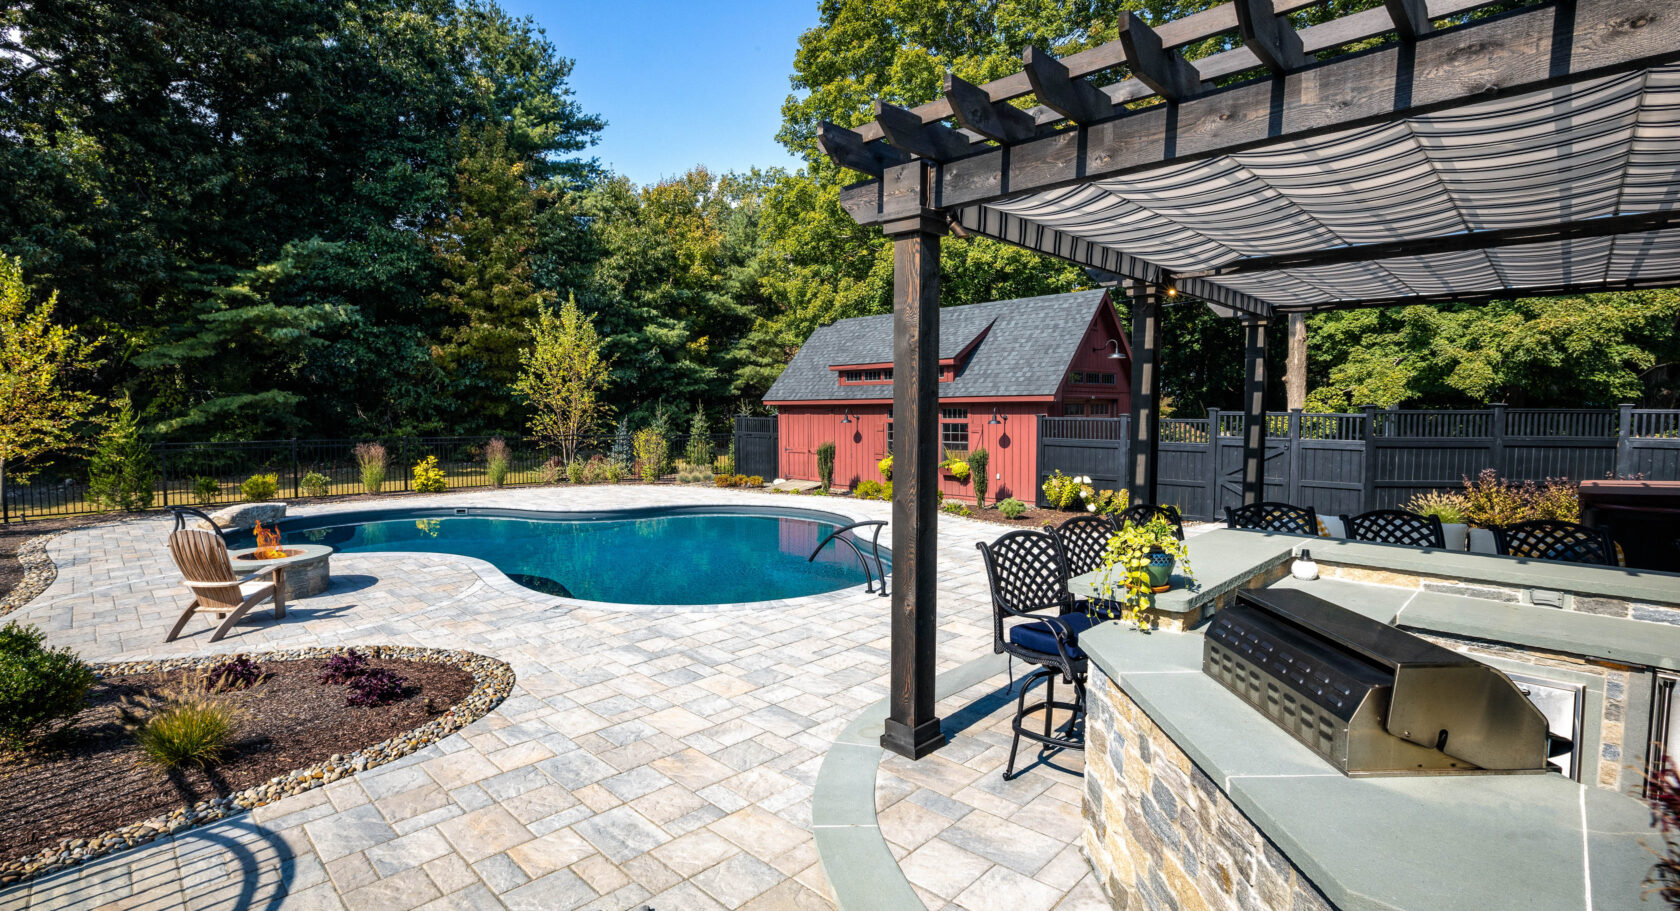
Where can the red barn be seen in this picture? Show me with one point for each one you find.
(1001, 365)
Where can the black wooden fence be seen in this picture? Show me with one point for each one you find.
(1350, 463)
(755, 446)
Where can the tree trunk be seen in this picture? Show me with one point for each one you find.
(1295, 368)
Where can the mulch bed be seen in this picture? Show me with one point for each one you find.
(91, 777)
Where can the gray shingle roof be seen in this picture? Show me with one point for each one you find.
(1031, 343)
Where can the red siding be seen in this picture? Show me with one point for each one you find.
(1093, 355)
(1012, 445)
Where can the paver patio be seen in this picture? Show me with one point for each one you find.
(658, 756)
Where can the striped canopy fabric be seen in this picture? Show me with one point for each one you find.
(1565, 156)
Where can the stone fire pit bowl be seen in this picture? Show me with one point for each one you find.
(304, 571)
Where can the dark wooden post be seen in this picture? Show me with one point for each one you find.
(1254, 411)
(1294, 462)
(1368, 462)
(1145, 427)
(1496, 446)
(912, 729)
(1216, 497)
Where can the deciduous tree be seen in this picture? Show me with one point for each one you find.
(562, 377)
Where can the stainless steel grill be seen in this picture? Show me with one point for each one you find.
(1369, 698)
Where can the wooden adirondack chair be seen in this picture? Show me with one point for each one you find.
(203, 561)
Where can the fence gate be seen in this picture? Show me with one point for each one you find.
(755, 446)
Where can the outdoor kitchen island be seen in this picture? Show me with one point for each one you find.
(1195, 799)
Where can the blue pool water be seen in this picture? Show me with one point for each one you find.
(670, 559)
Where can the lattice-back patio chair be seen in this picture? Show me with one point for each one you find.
(1084, 539)
(1549, 539)
(1146, 512)
(1396, 526)
(1268, 516)
(203, 560)
(1033, 619)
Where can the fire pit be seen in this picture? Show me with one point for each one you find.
(301, 570)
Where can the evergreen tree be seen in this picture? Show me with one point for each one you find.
(122, 474)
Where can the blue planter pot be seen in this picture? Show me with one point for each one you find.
(1160, 570)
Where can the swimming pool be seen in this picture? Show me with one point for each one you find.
(679, 555)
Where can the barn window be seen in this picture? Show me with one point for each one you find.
(953, 428)
(1099, 409)
(1091, 378)
(1073, 409)
(864, 377)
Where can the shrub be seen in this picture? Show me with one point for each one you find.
(428, 477)
(885, 466)
(121, 474)
(497, 457)
(576, 470)
(315, 484)
(886, 491)
(725, 464)
(237, 674)
(1012, 508)
(977, 464)
(376, 686)
(623, 450)
(956, 508)
(1448, 507)
(342, 668)
(206, 491)
(1108, 501)
(691, 473)
(867, 490)
(371, 459)
(650, 449)
(192, 729)
(613, 471)
(1557, 499)
(1489, 500)
(260, 487)
(1063, 492)
(699, 439)
(553, 470)
(39, 686)
(598, 469)
(722, 480)
(754, 480)
(825, 465)
(959, 469)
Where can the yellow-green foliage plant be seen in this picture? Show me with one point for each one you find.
(1012, 508)
(650, 447)
(885, 467)
(428, 477)
(1063, 492)
(192, 729)
(260, 487)
(1448, 507)
(1124, 583)
(315, 484)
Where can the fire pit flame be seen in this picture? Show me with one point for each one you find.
(268, 543)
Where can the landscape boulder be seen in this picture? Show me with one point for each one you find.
(245, 516)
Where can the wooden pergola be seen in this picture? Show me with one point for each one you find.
(1536, 152)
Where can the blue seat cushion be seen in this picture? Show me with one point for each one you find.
(1038, 636)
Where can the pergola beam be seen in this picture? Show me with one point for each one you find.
(905, 131)
(1165, 71)
(1270, 36)
(1442, 70)
(849, 150)
(1410, 17)
(1061, 91)
(995, 120)
(1492, 294)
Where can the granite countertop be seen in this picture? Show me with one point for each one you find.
(1418, 843)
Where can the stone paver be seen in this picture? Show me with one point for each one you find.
(648, 755)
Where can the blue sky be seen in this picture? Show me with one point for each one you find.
(679, 84)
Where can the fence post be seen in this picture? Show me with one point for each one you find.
(402, 459)
(1624, 441)
(1368, 464)
(1496, 453)
(1214, 498)
(6, 497)
(163, 459)
(294, 469)
(1294, 463)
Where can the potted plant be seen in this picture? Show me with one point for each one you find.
(1449, 508)
(1137, 565)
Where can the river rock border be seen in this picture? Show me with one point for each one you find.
(493, 682)
(39, 573)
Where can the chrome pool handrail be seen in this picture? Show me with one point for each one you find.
(875, 547)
